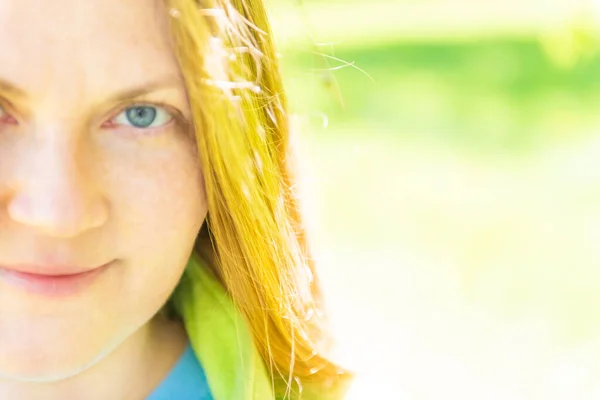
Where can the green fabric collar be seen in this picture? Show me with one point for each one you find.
(220, 337)
(223, 342)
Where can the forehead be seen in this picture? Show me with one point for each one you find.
(79, 47)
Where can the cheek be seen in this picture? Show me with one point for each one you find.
(157, 207)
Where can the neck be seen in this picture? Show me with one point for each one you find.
(130, 372)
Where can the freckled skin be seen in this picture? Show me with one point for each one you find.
(73, 187)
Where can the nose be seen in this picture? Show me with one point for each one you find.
(55, 193)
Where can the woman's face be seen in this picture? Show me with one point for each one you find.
(96, 167)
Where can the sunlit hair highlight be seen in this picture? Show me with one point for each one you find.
(254, 239)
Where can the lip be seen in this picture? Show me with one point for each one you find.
(59, 282)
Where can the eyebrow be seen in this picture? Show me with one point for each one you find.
(127, 94)
(145, 88)
(12, 89)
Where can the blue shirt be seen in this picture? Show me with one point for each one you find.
(186, 381)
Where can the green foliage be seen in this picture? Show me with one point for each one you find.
(495, 95)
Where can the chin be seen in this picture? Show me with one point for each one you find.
(25, 366)
(40, 375)
(39, 359)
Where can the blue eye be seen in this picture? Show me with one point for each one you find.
(144, 116)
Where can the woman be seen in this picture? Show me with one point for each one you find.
(150, 241)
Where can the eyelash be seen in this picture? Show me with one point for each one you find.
(4, 114)
(110, 123)
(150, 129)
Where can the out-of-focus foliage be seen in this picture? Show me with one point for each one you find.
(575, 40)
(453, 158)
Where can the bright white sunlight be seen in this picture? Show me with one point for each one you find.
(452, 150)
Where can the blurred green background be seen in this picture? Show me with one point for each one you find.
(452, 177)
